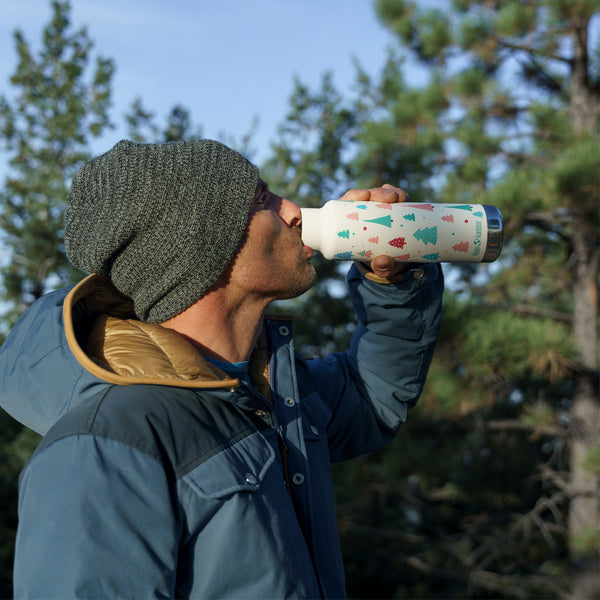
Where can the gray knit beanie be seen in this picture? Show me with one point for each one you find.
(163, 221)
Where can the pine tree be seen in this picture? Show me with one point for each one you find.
(508, 117)
(492, 488)
(60, 104)
(142, 127)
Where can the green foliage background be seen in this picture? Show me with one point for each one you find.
(491, 490)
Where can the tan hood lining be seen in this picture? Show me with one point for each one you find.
(125, 351)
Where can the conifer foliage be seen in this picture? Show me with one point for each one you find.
(60, 103)
(491, 490)
(497, 477)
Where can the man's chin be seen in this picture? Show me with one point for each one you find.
(302, 283)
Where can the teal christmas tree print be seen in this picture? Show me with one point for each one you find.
(428, 235)
(385, 221)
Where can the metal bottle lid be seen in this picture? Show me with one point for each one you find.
(495, 236)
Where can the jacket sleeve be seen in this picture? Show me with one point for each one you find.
(369, 388)
(96, 522)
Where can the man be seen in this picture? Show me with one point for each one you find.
(187, 448)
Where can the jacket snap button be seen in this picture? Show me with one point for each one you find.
(251, 479)
(314, 430)
(289, 402)
(283, 330)
(298, 479)
(419, 274)
(260, 413)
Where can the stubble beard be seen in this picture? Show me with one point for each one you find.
(300, 281)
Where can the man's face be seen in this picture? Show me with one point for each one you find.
(272, 263)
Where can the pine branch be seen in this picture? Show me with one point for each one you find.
(432, 572)
(517, 425)
(538, 311)
(410, 538)
(532, 50)
(547, 221)
(464, 425)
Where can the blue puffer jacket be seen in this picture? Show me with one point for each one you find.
(161, 477)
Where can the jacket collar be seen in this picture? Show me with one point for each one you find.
(113, 345)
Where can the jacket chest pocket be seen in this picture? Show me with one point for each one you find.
(315, 416)
(239, 467)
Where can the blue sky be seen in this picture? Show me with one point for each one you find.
(227, 61)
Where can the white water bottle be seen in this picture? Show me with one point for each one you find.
(347, 230)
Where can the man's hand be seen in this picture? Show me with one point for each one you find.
(382, 265)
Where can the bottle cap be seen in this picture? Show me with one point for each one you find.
(495, 235)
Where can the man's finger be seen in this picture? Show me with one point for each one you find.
(388, 193)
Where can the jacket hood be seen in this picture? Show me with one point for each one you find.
(73, 343)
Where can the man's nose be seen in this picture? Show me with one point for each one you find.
(290, 212)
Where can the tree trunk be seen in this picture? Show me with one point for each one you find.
(584, 488)
(584, 109)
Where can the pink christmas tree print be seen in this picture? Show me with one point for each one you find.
(384, 205)
(374, 240)
(462, 247)
(353, 216)
(448, 218)
(428, 207)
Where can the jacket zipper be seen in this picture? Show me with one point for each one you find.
(283, 449)
(286, 474)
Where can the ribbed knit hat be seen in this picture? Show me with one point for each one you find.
(163, 221)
